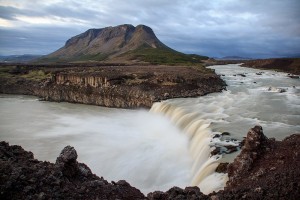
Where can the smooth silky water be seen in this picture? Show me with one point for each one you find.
(168, 146)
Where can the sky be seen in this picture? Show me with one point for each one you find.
(215, 28)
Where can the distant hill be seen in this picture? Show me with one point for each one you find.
(233, 58)
(123, 43)
(18, 58)
(289, 65)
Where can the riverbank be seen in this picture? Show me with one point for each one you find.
(288, 65)
(111, 86)
(265, 169)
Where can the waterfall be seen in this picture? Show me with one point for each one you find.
(200, 139)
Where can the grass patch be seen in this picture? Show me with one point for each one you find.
(49, 60)
(36, 75)
(163, 56)
(5, 71)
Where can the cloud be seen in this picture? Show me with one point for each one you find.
(211, 27)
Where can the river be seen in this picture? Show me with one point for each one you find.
(163, 147)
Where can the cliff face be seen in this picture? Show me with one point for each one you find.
(265, 169)
(122, 86)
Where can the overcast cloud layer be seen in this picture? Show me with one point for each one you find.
(216, 28)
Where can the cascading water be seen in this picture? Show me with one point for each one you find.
(168, 146)
(200, 136)
(253, 97)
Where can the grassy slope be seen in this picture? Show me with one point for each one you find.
(162, 56)
(145, 54)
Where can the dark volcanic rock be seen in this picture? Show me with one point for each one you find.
(265, 169)
(23, 177)
(222, 168)
(250, 152)
(178, 194)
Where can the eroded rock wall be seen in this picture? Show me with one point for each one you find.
(122, 87)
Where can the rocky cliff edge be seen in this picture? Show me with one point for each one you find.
(265, 169)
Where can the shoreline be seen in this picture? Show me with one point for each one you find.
(287, 65)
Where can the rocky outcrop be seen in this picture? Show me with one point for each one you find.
(265, 169)
(177, 193)
(251, 150)
(115, 86)
(23, 177)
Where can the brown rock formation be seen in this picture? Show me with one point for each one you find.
(265, 169)
(289, 65)
(114, 86)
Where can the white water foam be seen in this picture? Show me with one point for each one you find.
(196, 127)
(137, 146)
(258, 97)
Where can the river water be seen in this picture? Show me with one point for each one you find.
(166, 146)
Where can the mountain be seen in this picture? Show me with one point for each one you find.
(18, 58)
(123, 43)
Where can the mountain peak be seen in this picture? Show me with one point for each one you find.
(120, 43)
(106, 43)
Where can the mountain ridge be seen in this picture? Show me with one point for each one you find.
(123, 43)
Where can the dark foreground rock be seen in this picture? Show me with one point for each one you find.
(110, 86)
(23, 177)
(265, 169)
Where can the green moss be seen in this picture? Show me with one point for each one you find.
(5, 71)
(36, 75)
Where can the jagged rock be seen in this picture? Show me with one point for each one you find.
(265, 169)
(23, 177)
(250, 150)
(67, 162)
(222, 168)
(178, 194)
